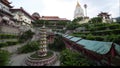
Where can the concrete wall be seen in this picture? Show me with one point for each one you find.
(9, 30)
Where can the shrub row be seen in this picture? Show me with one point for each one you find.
(8, 43)
(6, 36)
(105, 26)
(103, 32)
(107, 38)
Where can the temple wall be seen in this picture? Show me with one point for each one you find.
(9, 30)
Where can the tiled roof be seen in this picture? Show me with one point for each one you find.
(52, 18)
(95, 46)
(6, 2)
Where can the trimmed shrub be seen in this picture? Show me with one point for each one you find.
(12, 42)
(7, 36)
(3, 44)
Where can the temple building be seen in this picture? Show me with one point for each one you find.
(78, 11)
(5, 14)
(51, 19)
(54, 22)
(105, 17)
(7, 24)
(22, 18)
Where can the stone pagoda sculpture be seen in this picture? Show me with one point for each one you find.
(42, 57)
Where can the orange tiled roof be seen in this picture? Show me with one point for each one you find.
(52, 18)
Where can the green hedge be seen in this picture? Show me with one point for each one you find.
(12, 42)
(3, 44)
(107, 38)
(4, 57)
(6, 36)
(104, 27)
(98, 33)
(8, 43)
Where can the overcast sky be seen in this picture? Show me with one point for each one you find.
(65, 8)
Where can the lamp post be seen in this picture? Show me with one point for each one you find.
(85, 6)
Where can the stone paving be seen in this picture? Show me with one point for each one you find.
(18, 60)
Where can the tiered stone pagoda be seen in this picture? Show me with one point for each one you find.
(42, 57)
(43, 50)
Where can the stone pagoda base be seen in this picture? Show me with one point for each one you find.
(48, 60)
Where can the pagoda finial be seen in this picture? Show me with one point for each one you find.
(78, 5)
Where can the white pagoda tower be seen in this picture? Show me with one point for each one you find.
(78, 11)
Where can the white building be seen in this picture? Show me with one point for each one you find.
(23, 18)
(5, 14)
(7, 25)
(78, 11)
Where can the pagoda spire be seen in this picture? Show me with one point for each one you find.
(78, 11)
(78, 5)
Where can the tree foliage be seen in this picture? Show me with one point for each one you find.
(58, 44)
(96, 20)
(29, 47)
(77, 19)
(26, 36)
(70, 58)
(4, 57)
(72, 26)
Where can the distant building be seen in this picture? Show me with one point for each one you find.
(54, 20)
(118, 19)
(78, 11)
(105, 17)
(23, 18)
(5, 14)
